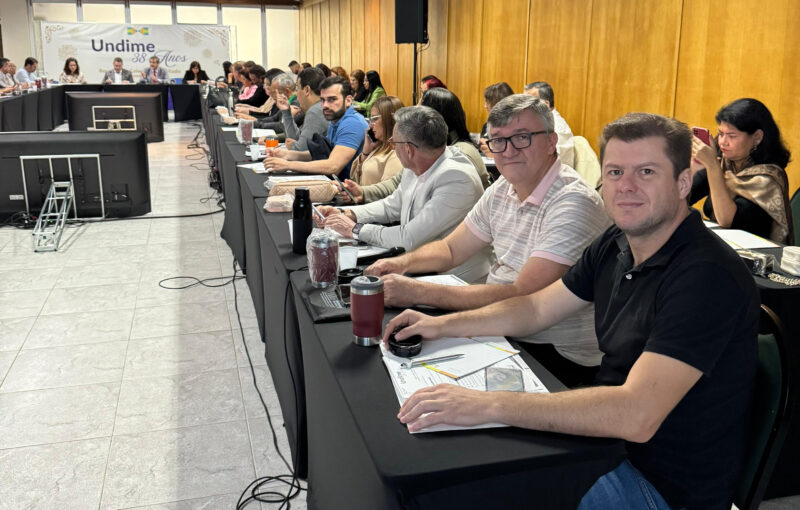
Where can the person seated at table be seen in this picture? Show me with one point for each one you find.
(345, 135)
(231, 75)
(372, 82)
(305, 65)
(340, 71)
(71, 72)
(154, 73)
(227, 69)
(7, 84)
(439, 186)
(357, 83)
(295, 69)
(430, 82)
(747, 188)
(314, 122)
(262, 110)
(281, 86)
(378, 161)
(676, 315)
(537, 219)
(566, 142)
(252, 92)
(195, 74)
(448, 104)
(117, 74)
(28, 73)
(325, 69)
(491, 96)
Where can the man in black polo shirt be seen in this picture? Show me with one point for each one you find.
(676, 315)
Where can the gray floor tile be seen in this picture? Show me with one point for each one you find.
(252, 404)
(80, 256)
(91, 299)
(209, 503)
(183, 250)
(254, 345)
(179, 319)
(13, 332)
(177, 464)
(57, 415)
(80, 328)
(166, 402)
(93, 274)
(22, 303)
(55, 367)
(6, 359)
(61, 475)
(193, 353)
(28, 279)
(246, 312)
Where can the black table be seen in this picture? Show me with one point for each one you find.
(283, 353)
(45, 108)
(252, 187)
(161, 88)
(185, 102)
(360, 456)
(30, 111)
(231, 152)
(12, 113)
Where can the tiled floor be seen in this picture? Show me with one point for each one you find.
(116, 393)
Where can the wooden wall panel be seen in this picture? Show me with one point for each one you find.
(334, 39)
(301, 36)
(503, 48)
(344, 32)
(325, 34)
(357, 34)
(405, 73)
(317, 56)
(464, 57)
(372, 35)
(632, 61)
(558, 52)
(763, 64)
(433, 59)
(387, 47)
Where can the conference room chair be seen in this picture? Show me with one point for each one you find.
(774, 400)
(795, 204)
(586, 162)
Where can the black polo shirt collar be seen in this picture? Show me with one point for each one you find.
(683, 235)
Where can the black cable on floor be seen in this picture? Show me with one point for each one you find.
(255, 488)
(197, 281)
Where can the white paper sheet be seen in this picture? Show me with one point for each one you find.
(229, 128)
(442, 279)
(478, 352)
(363, 251)
(258, 133)
(257, 167)
(741, 240)
(710, 224)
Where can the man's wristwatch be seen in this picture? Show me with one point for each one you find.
(356, 230)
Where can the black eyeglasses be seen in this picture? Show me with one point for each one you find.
(518, 141)
(393, 142)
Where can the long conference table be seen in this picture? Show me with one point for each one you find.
(339, 407)
(45, 109)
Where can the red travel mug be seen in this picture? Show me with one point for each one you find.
(366, 309)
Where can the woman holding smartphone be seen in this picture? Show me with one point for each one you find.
(743, 172)
(378, 162)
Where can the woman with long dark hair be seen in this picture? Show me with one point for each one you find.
(372, 82)
(743, 172)
(357, 83)
(195, 74)
(71, 73)
(252, 91)
(449, 106)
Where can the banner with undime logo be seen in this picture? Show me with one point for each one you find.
(95, 45)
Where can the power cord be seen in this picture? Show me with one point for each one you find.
(256, 487)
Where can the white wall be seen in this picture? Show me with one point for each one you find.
(15, 23)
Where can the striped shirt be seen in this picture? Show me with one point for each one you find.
(557, 221)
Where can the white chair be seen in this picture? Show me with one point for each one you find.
(586, 162)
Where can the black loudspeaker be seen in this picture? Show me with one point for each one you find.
(410, 21)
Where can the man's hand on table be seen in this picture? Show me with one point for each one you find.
(415, 323)
(447, 403)
(386, 266)
(400, 291)
(341, 223)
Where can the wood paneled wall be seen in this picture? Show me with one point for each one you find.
(604, 58)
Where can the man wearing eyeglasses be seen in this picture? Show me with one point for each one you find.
(538, 218)
(438, 187)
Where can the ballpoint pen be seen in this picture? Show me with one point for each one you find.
(352, 198)
(319, 214)
(418, 362)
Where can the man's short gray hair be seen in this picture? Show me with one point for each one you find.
(512, 106)
(284, 81)
(422, 125)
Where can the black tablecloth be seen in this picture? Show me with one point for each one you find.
(283, 353)
(30, 111)
(360, 456)
(45, 108)
(185, 102)
(12, 113)
(231, 153)
(252, 187)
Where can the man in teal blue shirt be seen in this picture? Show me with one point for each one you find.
(346, 134)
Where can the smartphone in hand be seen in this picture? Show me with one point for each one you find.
(702, 134)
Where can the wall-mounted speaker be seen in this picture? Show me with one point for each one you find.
(410, 21)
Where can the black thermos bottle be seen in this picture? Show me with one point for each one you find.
(301, 219)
